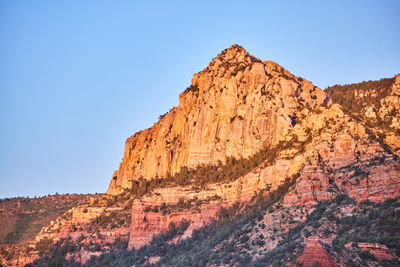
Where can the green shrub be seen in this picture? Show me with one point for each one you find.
(366, 255)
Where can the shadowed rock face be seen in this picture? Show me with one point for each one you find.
(234, 107)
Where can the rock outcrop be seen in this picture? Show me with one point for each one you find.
(364, 171)
(381, 252)
(233, 108)
(146, 225)
(376, 105)
(390, 105)
(315, 254)
(203, 205)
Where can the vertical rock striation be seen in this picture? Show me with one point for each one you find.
(233, 108)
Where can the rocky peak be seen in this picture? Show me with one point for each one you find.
(235, 54)
(233, 108)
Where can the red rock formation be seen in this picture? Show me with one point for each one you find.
(315, 253)
(359, 168)
(339, 144)
(145, 225)
(380, 251)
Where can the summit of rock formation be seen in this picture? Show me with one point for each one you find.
(234, 107)
(234, 54)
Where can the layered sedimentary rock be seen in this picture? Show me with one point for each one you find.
(146, 225)
(381, 252)
(315, 254)
(364, 171)
(86, 223)
(82, 226)
(389, 112)
(39, 210)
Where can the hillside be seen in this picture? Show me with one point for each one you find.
(21, 219)
(375, 104)
(357, 97)
(254, 167)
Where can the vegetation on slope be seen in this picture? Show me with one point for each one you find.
(27, 216)
(198, 178)
(189, 252)
(204, 175)
(235, 237)
(373, 92)
(372, 223)
(356, 99)
(229, 240)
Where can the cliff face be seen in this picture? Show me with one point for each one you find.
(233, 108)
(199, 207)
(389, 105)
(341, 159)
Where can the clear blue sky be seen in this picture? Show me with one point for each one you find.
(78, 77)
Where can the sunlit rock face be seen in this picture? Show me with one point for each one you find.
(234, 107)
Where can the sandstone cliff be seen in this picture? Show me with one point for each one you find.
(234, 107)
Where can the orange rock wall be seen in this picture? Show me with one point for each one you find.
(241, 106)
